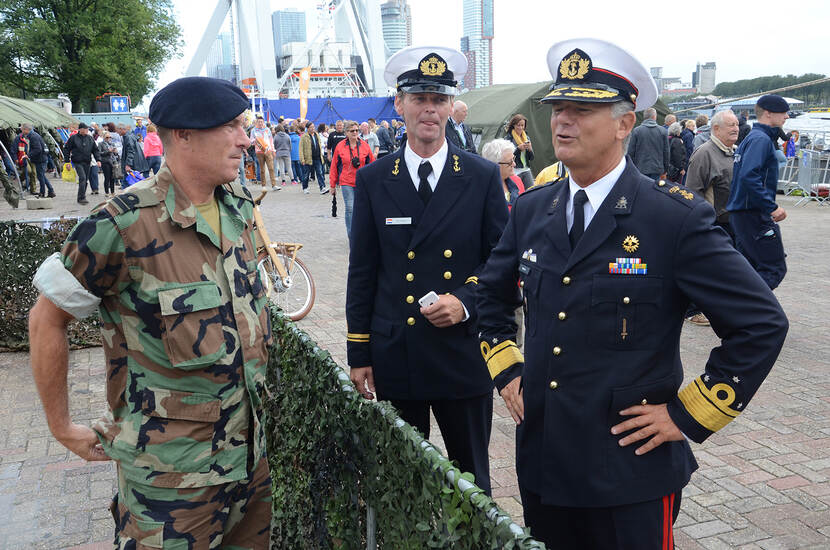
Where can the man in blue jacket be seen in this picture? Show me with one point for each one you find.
(754, 215)
(608, 260)
(425, 220)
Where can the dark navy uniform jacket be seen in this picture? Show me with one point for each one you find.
(399, 252)
(598, 342)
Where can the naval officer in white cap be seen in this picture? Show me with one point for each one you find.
(608, 260)
(425, 220)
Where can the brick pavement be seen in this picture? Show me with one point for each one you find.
(764, 480)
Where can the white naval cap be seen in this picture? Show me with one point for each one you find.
(425, 69)
(596, 71)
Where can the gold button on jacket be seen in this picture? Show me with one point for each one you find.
(410, 321)
(410, 299)
(410, 255)
(566, 280)
(626, 300)
(410, 277)
(557, 350)
(554, 384)
(447, 275)
(562, 315)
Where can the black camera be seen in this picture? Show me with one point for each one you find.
(356, 162)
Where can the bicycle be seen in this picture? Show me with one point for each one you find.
(288, 281)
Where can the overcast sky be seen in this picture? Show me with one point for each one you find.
(745, 39)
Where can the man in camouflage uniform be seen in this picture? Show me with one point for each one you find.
(171, 268)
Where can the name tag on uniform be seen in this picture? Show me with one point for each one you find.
(398, 221)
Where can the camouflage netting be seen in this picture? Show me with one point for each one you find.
(23, 247)
(332, 454)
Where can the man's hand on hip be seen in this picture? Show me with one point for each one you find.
(778, 215)
(653, 421)
(82, 441)
(447, 311)
(513, 399)
(363, 377)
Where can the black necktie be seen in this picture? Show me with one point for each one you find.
(578, 227)
(424, 190)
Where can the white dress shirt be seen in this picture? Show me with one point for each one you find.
(596, 192)
(413, 161)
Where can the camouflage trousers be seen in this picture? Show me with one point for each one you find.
(231, 516)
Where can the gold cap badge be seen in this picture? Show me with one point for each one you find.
(432, 66)
(574, 66)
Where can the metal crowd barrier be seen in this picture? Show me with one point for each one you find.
(807, 175)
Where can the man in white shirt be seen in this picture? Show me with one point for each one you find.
(458, 132)
(425, 220)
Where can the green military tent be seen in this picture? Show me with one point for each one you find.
(490, 108)
(14, 112)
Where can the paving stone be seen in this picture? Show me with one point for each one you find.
(707, 529)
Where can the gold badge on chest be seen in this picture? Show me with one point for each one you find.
(395, 169)
(455, 165)
(631, 243)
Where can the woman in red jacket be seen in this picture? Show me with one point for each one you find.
(350, 154)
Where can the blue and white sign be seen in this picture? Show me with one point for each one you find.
(119, 104)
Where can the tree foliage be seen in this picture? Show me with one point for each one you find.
(84, 48)
(816, 94)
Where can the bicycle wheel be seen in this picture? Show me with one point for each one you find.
(294, 298)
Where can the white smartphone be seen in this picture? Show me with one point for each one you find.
(428, 299)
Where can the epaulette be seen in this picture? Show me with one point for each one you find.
(677, 192)
(238, 190)
(140, 197)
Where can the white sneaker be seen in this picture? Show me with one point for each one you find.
(274, 187)
(324, 190)
(305, 191)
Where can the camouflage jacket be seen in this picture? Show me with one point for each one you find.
(185, 332)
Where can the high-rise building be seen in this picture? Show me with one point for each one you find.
(477, 43)
(289, 26)
(220, 59)
(396, 19)
(704, 77)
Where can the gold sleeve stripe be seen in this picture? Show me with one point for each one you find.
(350, 337)
(472, 279)
(704, 404)
(501, 357)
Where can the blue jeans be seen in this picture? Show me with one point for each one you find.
(298, 170)
(317, 167)
(347, 192)
(256, 165)
(44, 181)
(155, 164)
(93, 177)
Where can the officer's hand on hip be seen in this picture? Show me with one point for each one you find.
(363, 377)
(82, 441)
(653, 421)
(512, 395)
(778, 215)
(447, 311)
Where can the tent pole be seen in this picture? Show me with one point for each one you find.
(16, 175)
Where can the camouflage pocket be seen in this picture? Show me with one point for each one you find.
(193, 335)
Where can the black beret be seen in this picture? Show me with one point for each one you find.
(773, 103)
(82, 125)
(197, 102)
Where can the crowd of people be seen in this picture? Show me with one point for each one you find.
(600, 261)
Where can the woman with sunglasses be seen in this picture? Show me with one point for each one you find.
(350, 155)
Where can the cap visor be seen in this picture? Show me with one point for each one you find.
(428, 87)
(583, 94)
